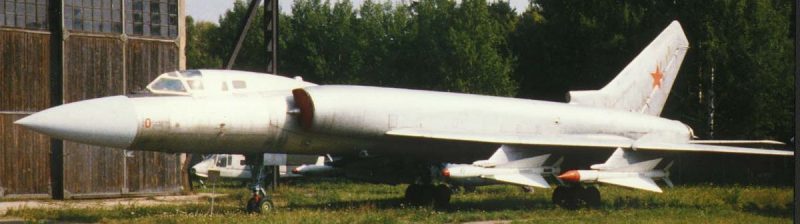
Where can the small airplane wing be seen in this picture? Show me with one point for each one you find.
(581, 141)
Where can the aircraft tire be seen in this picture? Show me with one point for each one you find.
(566, 196)
(413, 194)
(266, 205)
(441, 196)
(427, 194)
(591, 196)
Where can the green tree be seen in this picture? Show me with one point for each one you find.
(578, 45)
(454, 48)
(253, 53)
(198, 45)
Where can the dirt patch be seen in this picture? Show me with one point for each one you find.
(105, 203)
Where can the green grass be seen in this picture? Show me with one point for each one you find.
(339, 201)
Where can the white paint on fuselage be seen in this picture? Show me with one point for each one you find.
(351, 119)
(370, 112)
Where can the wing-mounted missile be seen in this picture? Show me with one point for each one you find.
(623, 168)
(504, 154)
(525, 172)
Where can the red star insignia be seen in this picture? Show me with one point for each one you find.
(657, 76)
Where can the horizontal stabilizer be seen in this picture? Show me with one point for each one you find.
(527, 179)
(532, 162)
(642, 183)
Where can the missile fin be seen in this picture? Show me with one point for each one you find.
(642, 183)
(668, 181)
(528, 179)
(639, 167)
(532, 162)
(504, 154)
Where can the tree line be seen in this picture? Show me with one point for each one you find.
(550, 48)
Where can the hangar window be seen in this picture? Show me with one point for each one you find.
(98, 16)
(28, 14)
(151, 18)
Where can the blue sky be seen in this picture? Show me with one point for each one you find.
(210, 10)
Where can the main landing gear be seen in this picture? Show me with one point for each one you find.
(576, 196)
(426, 194)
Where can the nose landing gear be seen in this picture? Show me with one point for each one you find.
(260, 200)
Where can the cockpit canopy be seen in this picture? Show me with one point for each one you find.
(210, 82)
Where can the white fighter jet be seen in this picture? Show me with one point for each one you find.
(392, 135)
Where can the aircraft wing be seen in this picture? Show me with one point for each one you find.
(581, 141)
(602, 141)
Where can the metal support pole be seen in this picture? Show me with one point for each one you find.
(244, 26)
(796, 112)
(56, 25)
(271, 34)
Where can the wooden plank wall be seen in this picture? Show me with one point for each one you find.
(148, 59)
(24, 155)
(93, 67)
(151, 171)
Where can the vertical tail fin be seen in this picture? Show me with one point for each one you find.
(644, 84)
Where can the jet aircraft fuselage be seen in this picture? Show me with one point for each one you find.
(350, 120)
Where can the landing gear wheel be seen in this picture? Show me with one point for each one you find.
(258, 204)
(413, 194)
(266, 205)
(591, 196)
(441, 196)
(566, 197)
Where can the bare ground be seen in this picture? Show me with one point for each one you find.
(100, 203)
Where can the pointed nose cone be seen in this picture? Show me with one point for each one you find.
(107, 121)
(570, 176)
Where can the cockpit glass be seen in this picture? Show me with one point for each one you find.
(222, 161)
(195, 84)
(168, 84)
(191, 73)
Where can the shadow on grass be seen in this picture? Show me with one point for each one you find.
(771, 211)
(394, 203)
(77, 217)
(627, 202)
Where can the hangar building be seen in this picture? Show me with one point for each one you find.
(61, 51)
